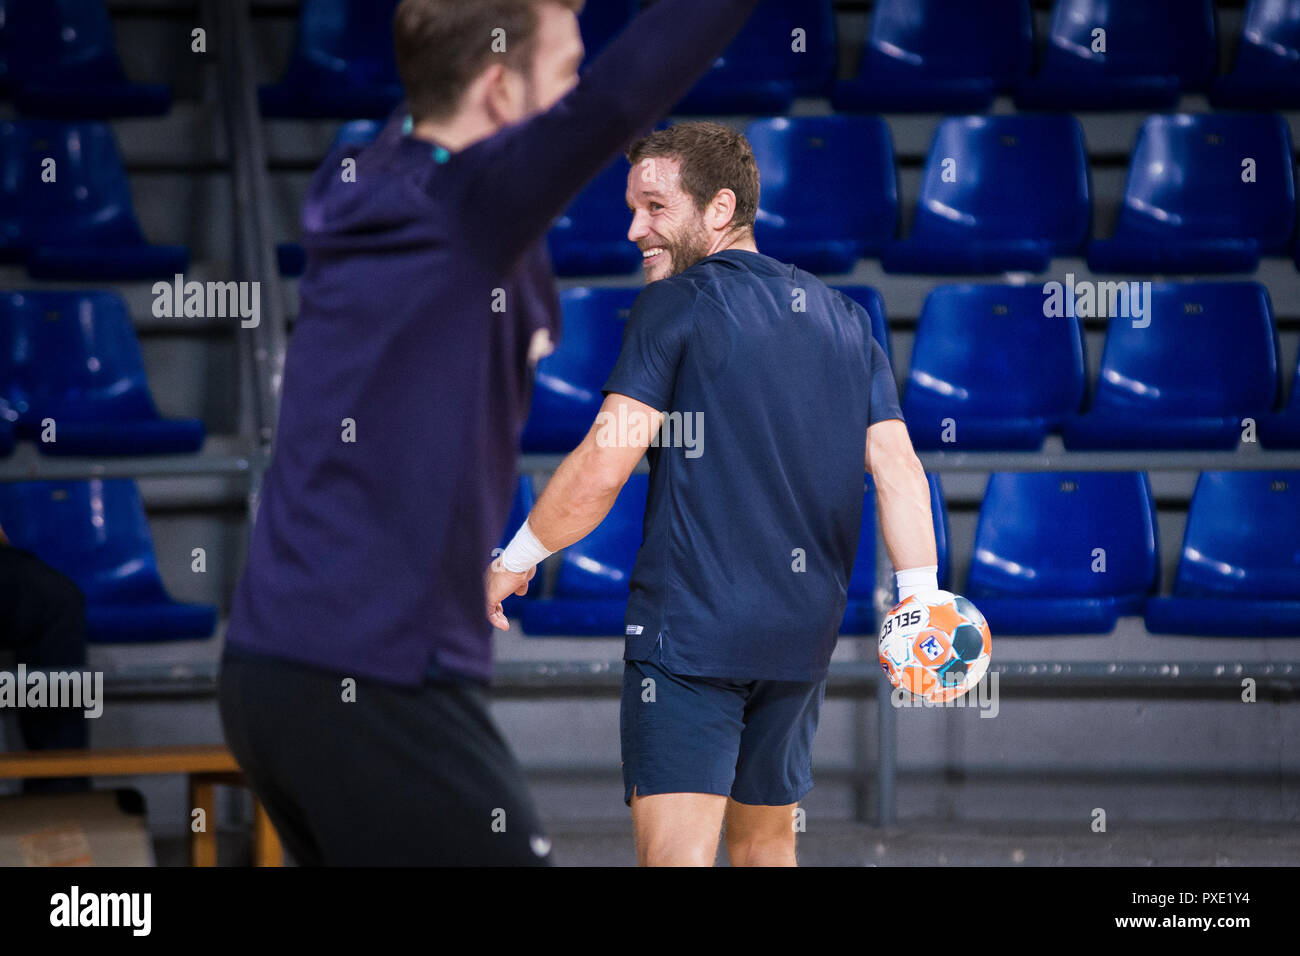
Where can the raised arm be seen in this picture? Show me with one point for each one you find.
(527, 174)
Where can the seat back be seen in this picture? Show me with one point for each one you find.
(1270, 37)
(95, 532)
(1006, 177)
(989, 350)
(1210, 350)
(76, 357)
(804, 165)
(1243, 537)
(993, 39)
(567, 389)
(600, 211)
(763, 47)
(349, 37)
(1211, 176)
(87, 203)
(61, 38)
(1151, 38)
(600, 565)
(1046, 534)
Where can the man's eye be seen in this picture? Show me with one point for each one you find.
(655, 207)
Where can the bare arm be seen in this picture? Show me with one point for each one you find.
(582, 490)
(588, 481)
(4, 538)
(902, 496)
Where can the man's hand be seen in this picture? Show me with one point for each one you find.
(499, 584)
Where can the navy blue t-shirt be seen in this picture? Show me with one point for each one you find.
(754, 510)
(407, 379)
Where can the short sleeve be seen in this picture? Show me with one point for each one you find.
(653, 342)
(884, 390)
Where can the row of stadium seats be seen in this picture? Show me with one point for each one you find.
(919, 55)
(992, 370)
(1206, 193)
(58, 58)
(1055, 553)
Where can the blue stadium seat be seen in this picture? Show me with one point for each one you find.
(1239, 573)
(591, 237)
(1266, 71)
(342, 65)
(805, 214)
(1207, 360)
(82, 225)
(761, 71)
(1188, 205)
(567, 390)
(291, 257)
(96, 533)
(62, 62)
(519, 509)
(1282, 429)
(74, 358)
(591, 588)
(1153, 51)
(936, 55)
(870, 300)
(988, 359)
(860, 612)
(601, 21)
(999, 194)
(1040, 537)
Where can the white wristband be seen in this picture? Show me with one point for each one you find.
(524, 551)
(917, 579)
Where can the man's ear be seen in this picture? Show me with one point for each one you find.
(722, 209)
(500, 95)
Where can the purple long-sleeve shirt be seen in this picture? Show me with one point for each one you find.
(426, 281)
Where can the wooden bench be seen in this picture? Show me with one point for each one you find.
(205, 766)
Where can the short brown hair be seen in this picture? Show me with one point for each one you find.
(442, 45)
(712, 157)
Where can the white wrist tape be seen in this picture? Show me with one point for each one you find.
(524, 551)
(917, 579)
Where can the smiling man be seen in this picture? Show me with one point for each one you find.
(741, 581)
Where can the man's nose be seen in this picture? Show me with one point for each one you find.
(638, 230)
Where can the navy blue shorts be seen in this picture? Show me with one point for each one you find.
(750, 740)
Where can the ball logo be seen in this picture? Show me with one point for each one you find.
(931, 645)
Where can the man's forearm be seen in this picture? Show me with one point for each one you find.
(575, 500)
(906, 521)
